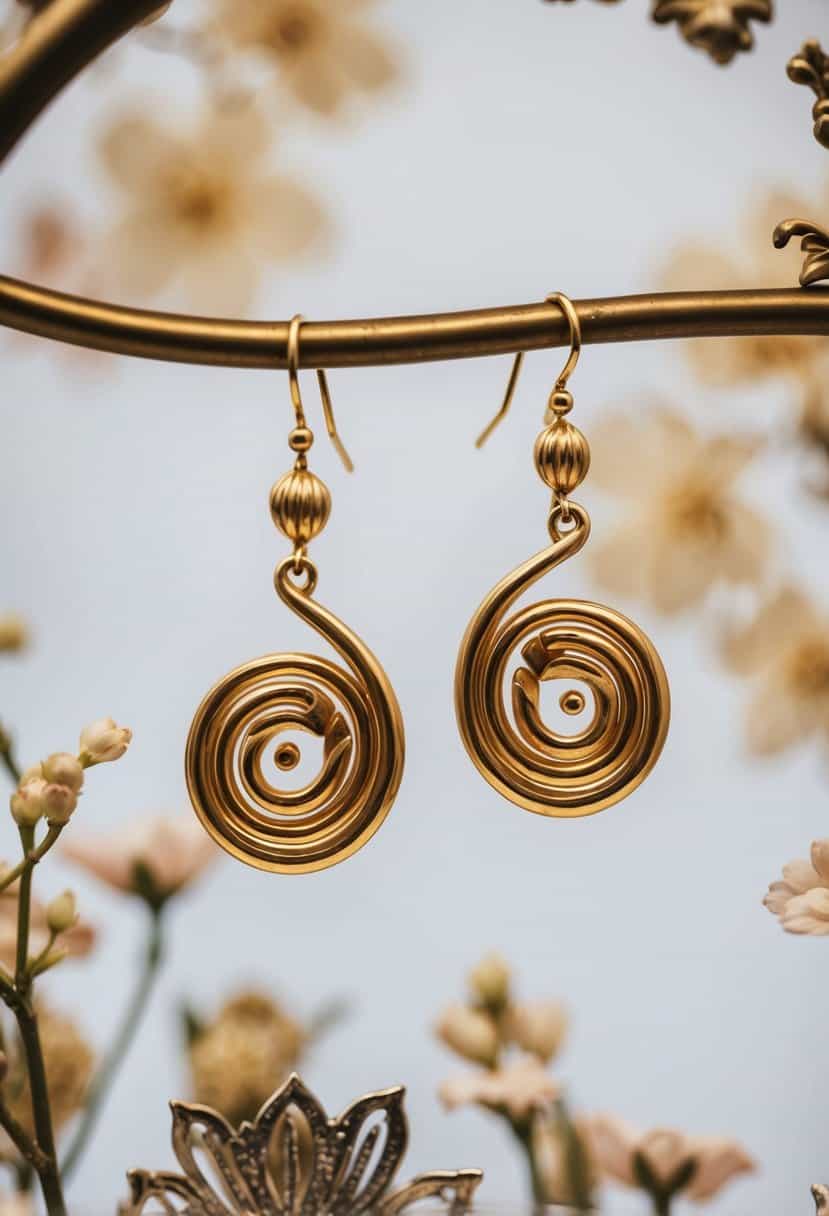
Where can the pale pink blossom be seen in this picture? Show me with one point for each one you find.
(172, 852)
(59, 801)
(518, 1088)
(26, 802)
(615, 1145)
(801, 899)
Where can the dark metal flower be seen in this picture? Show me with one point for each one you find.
(814, 242)
(346, 1169)
(821, 1196)
(720, 27)
(810, 66)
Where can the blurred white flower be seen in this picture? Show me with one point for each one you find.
(102, 741)
(167, 854)
(489, 981)
(322, 49)
(518, 1089)
(699, 1165)
(58, 803)
(538, 1027)
(201, 208)
(801, 899)
(786, 647)
(62, 912)
(14, 633)
(470, 1033)
(78, 941)
(27, 802)
(685, 530)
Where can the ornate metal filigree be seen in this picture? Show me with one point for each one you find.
(821, 1196)
(293, 1161)
(720, 27)
(810, 66)
(814, 242)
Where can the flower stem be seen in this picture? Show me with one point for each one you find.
(106, 1074)
(21, 1139)
(522, 1130)
(7, 756)
(48, 1172)
(24, 908)
(32, 857)
(661, 1205)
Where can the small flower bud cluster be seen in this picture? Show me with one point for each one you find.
(50, 790)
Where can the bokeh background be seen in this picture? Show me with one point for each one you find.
(525, 148)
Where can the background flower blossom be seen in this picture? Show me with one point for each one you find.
(201, 208)
(517, 1088)
(14, 633)
(169, 853)
(685, 529)
(801, 898)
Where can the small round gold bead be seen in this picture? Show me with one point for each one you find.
(560, 402)
(562, 456)
(300, 505)
(300, 439)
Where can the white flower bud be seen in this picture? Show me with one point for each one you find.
(539, 1028)
(470, 1033)
(27, 802)
(36, 770)
(489, 981)
(63, 769)
(59, 801)
(62, 912)
(103, 740)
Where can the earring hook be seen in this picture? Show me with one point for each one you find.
(325, 395)
(568, 308)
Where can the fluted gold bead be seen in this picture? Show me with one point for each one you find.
(562, 456)
(300, 505)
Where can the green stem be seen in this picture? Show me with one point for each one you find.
(113, 1059)
(27, 1148)
(24, 907)
(661, 1205)
(523, 1131)
(48, 1172)
(32, 857)
(7, 756)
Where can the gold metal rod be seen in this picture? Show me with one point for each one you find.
(417, 339)
(68, 34)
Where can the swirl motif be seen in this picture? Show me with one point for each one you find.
(243, 721)
(538, 768)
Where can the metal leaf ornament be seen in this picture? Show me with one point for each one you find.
(720, 27)
(821, 1197)
(259, 1170)
(814, 242)
(810, 66)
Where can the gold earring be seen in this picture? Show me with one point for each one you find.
(247, 718)
(534, 766)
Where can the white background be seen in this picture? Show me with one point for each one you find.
(530, 148)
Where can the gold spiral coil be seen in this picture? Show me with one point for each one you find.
(534, 766)
(244, 720)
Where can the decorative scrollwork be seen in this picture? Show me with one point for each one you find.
(538, 768)
(720, 27)
(820, 1195)
(810, 66)
(293, 1161)
(250, 716)
(814, 242)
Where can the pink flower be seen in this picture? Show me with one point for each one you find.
(518, 1088)
(170, 853)
(710, 1161)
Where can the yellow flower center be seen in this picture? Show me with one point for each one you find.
(695, 514)
(808, 668)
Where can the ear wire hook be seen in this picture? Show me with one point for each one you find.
(325, 395)
(568, 308)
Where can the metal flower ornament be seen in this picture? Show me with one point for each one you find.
(294, 1161)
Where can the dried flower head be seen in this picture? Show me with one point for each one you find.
(201, 209)
(155, 858)
(686, 530)
(240, 1058)
(322, 51)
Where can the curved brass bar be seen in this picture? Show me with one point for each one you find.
(68, 34)
(419, 339)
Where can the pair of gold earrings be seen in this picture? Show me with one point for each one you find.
(246, 721)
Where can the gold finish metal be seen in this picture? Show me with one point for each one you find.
(572, 317)
(325, 397)
(820, 1194)
(249, 715)
(260, 1169)
(810, 66)
(814, 243)
(720, 27)
(536, 767)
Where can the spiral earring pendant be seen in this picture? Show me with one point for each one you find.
(244, 720)
(538, 768)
